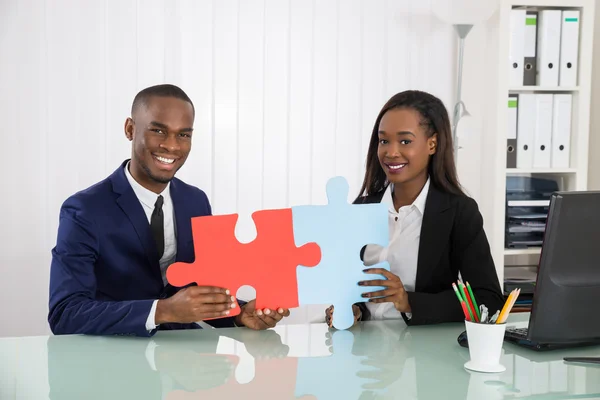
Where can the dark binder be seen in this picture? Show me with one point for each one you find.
(530, 64)
(511, 142)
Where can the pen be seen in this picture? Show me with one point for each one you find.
(484, 314)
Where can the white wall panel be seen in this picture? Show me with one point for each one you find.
(301, 110)
(225, 140)
(121, 78)
(251, 109)
(65, 142)
(348, 102)
(286, 94)
(150, 48)
(373, 70)
(195, 19)
(325, 48)
(89, 113)
(276, 104)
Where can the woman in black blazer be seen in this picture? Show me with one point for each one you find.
(436, 231)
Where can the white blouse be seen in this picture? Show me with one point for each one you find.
(402, 252)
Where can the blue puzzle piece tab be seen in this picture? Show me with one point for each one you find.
(341, 230)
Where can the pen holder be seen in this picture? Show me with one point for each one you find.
(485, 347)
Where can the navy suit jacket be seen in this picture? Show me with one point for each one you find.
(105, 271)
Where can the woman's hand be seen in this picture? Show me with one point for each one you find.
(394, 293)
(329, 315)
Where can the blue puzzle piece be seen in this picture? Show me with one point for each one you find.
(337, 376)
(341, 230)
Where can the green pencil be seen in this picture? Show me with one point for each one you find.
(474, 302)
(460, 299)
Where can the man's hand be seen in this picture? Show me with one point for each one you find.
(394, 293)
(255, 319)
(193, 304)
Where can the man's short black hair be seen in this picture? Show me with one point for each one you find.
(163, 90)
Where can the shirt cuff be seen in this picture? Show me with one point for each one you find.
(151, 321)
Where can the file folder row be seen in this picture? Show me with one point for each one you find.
(527, 203)
(543, 47)
(539, 130)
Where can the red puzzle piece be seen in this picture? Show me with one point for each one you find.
(268, 263)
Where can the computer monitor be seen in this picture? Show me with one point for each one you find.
(566, 300)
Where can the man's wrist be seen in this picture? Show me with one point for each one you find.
(162, 312)
(237, 320)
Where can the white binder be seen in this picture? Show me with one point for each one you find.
(561, 130)
(525, 130)
(569, 48)
(548, 51)
(516, 57)
(542, 137)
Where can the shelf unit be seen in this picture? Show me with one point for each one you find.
(574, 177)
(542, 89)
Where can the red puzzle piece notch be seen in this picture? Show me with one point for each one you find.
(268, 263)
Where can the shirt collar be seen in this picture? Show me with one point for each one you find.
(419, 202)
(147, 197)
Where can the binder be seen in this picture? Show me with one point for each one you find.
(569, 48)
(542, 139)
(525, 130)
(561, 130)
(511, 134)
(516, 55)
(548, 50)
(530, 49)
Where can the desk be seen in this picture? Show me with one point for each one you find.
(374, 360)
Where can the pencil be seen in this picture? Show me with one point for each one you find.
(464, 307)
(460, 299)
(470, 305)
(474, 301)
(506, 306)
(511, 305)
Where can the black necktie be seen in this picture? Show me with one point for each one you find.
(156, 224)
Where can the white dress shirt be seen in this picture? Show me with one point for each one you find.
(402, 252)
(147, 199)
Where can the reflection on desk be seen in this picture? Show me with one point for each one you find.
(374, 360)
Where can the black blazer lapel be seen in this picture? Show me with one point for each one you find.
(435, 231)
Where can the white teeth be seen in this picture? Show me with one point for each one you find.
(165, 160)
(396, 166)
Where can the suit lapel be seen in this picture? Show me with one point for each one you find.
(183, 225)
(435, 231)
(129, 203)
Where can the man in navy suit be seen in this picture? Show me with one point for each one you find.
(117, 238)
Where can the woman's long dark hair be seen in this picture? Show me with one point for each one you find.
(434, 117)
